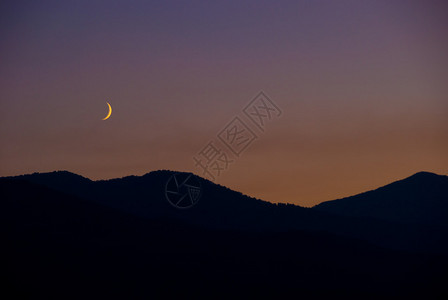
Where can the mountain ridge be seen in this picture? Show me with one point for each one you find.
(68, 235)
(419, 198)
(223, 208)
(68, 174)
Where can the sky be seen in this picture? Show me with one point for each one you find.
(362, 87)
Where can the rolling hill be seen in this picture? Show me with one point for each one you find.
(67, 236)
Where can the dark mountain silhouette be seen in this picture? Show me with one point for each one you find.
(222, 208)
(66, 236)
(419, 199)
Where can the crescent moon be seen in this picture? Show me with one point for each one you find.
(109, 113)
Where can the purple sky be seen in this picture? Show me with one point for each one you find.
(362, 85)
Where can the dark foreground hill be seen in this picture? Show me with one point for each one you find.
(222, 208)
(68, 237)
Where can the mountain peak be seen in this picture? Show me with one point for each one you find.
(62, 174)
(420, 198)
(423, 174)
(422, 178)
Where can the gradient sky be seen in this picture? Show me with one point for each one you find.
(363, 86)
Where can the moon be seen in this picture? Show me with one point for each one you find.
(109, 113)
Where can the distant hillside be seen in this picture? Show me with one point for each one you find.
(419, 199)
(61, 246)
(224, 209)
